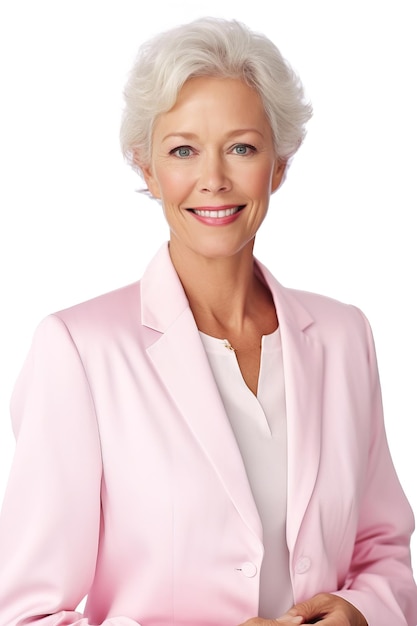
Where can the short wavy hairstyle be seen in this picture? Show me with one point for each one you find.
(212, 47)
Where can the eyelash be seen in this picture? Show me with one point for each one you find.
(175, 150)
(251, 150)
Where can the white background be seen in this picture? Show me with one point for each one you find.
(72, 226)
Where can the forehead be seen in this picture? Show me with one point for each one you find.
(214, 104)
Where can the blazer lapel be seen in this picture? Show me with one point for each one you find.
(180, 360)
(303, 372)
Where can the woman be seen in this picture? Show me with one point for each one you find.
(205, 446)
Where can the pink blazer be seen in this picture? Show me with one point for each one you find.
(128, 485)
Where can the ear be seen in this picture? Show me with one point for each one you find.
(151, 181)
(147, 174)
(278, 174)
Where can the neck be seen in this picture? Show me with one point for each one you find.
(223, 292)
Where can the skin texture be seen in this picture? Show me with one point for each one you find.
(214, 149)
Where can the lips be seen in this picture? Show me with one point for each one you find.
(217, 213)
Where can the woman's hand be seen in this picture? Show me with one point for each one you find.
(329, 609)
(324, 607)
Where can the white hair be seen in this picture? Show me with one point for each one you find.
(210, 47)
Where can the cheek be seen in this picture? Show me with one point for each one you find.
(173, 184)
(258, 183)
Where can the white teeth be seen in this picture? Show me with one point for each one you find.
(216, 214)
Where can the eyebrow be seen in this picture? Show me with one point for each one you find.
(233, 133)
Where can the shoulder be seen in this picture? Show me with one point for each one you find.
(106, 319)
(326, 308)
(112, 308)
(338, 325)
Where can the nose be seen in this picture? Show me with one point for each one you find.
(213, 175)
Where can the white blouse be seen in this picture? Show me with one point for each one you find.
(259, 425)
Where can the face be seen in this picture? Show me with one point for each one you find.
(213, 167)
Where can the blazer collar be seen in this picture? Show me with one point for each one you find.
(179, 357)
(162, 296)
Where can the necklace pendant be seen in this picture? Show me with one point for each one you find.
(228, 345)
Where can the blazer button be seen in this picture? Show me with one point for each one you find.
(303, 565)
(249, 569)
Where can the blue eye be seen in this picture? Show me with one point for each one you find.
(244, 149)
(182, 152)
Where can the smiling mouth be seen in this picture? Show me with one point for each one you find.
(217, 214)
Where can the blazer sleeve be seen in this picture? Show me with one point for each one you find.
(50, 520)
(380, 581)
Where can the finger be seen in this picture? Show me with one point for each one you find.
(289, 619)
(311, 609)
